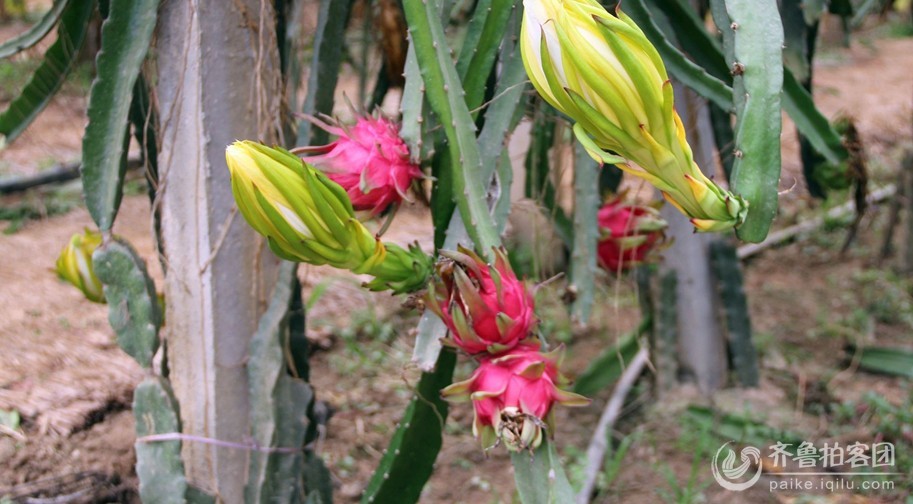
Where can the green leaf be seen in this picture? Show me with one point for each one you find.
(507, 105)
(34, 34)
(409, 459)
(474, 30)
(689, 73)
(158, 463)
(53, 71)
(795, 31)
(692, 36)
(125, 38)
(505, 178)
(885, 360)
(144, 119)
(737, 428)
(480, 49)
(502, 114)
(133, 307)
(430, 331)
(798, 103)
(540, 477)
(753, 44)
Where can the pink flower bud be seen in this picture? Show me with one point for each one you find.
(486, 308)
(369, 160)
(513, 396)
(628, 234)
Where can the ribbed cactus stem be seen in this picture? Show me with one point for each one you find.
(279, 402)
(586, 233)
(158, 463)
(753, 45)
(133, 306)
(729, 279)
(666, 332)
(440, 77)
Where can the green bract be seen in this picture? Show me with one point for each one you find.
(308, 218)
(600, 69)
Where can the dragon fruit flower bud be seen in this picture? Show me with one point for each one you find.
(513, 395)
(601, 70)
(486, 307)
(308, 218)
(369, 160)
(75, 265)
(305, 216)
(628, 233)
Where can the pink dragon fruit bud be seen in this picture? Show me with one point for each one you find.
(486, 308)
(628, 234)
(369, 160)
(513, 396)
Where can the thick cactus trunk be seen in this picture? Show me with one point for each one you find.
(218, 82)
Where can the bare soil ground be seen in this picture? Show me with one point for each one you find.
(62, 371)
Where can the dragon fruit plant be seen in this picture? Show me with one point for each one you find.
(490, 314)
(208, 82)
(489, 311)
(486, 307)
(628, 234)
(513, 394)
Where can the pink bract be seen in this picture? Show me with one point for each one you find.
(513, 395)
(629, 233)
(486, 307)
(369, 160)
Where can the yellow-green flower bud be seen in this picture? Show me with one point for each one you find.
(305, 216)
(600, 69)
(308, 218)
(75, 265)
